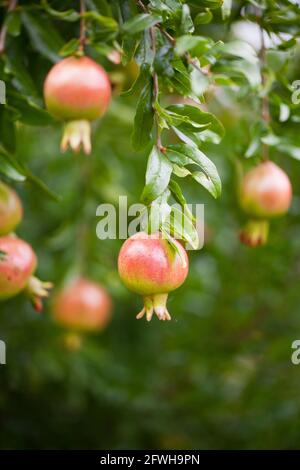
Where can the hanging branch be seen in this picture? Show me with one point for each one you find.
(172, 40)
(11, 6)
(265, 109)
(82, 35)
(156, 93)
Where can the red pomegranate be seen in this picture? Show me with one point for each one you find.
(82, 305)
(77, 91)
(17, 265)
(149, 266)
(11, 211)
(265, 192)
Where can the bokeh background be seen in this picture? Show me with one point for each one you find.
(219, 375)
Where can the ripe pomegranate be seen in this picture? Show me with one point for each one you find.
(17, 265)
(265, 192)
(11, 210)
(77, 91)
(149, 266)
(82, 305)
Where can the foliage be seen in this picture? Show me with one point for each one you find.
(217, 376)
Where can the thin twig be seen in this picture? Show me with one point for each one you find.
(172, 40)
(11, 6)
(82, 35)
(156, 92)
(265, 109)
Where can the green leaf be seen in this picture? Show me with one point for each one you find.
(284, 112)
(29, 112)
(203, 17)
(291, 150)
(184, 151)
(242, 68)
(145, 54)
(206, 182)
(226, 8)
(8, 169)
(15, 65)
(197, 45)
(194, 119)
(180, 226)
(13, 23)
(186, 24)
(44, 37)
(179, 197)
(199, 82)
(143, 121)
(163, 61)
(140, 22)
(173, 245)
(143, 76)
(67, 15)
(70, 48)
(158, 175)
(207, 3)
(105, 21)
(7, 129)
(240, 49)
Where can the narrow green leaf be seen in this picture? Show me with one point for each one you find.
(105, 21)
(44, 37)
(69, 48)
(13, 23)
(143, 120)
(198, 45)
(195, 119)
(193, 154)
(67, 15)
(140, 22)
(158, 175)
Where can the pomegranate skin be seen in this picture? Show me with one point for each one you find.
(265, 191)
(11, 211)
(82, 305)
(77, 88)
(17, 263)
(149, 266)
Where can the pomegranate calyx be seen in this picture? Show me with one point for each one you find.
(77, 135)
(37, 290)
(155, 304)
(255, 233)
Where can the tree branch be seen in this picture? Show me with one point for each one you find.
(82, 34)
(265, 109)
(11, 6)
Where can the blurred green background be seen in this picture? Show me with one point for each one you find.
(219, 375)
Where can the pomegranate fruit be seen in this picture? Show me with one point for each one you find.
(149, 266)
(265, 192)
(11, 210)
(17, 265)
(77, 90)
(82, 305)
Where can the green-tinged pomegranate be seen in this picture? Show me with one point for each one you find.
(150, 266)
(11, 210)
(82, 305)
(265, 192)
(77, 90)
(17, 265)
